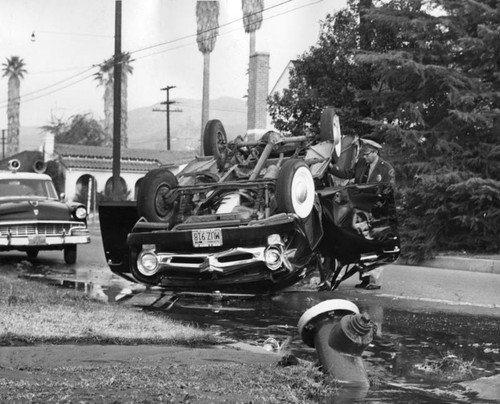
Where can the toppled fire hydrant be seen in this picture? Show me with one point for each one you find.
(340, 334)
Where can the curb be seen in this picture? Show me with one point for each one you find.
(471, 264)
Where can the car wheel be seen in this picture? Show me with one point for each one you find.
(295, 188)
(32, 253)
(329, 126)
(156, 198)
(214, 141)
(70, 254)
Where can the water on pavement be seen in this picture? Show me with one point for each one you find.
(418, 356)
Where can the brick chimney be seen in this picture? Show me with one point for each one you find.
(258, 90)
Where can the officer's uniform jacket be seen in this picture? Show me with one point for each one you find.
(382, 172)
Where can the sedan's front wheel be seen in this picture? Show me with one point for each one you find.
(32, 253)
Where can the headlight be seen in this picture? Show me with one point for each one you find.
(147, 263)
(81, 212)
(274, 257)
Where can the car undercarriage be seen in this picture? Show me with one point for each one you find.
(251, 216)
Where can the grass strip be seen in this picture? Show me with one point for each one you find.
(32, 312)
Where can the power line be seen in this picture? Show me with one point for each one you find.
(4, 102)
(70, 34)
(33, 97)
(221, 34)
(208, 30)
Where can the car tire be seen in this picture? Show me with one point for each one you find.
(70, 254)
(295, 191)
(214, 141)
(32, 253)
(329, 126)
(155, 200)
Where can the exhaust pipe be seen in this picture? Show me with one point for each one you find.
(340, 334)
(14, 165)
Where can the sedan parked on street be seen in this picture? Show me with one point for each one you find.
(32, 217)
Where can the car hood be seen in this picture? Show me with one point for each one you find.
(34, 209)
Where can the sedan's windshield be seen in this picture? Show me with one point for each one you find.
(24, 187)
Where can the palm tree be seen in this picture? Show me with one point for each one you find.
(105, 77)
(126, 70)
(207, 20)
(252, 19)
(14, 69)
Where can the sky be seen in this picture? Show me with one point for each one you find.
(72, 37)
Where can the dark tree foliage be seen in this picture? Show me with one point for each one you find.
(423, 78)
(80, 130)
(326, 75)
(56, 173)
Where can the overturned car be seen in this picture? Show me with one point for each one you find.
(252, 216)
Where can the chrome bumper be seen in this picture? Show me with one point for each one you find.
(39, 242)
(42, 233)
(214, 262)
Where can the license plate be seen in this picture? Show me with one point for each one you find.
(36, 240)
(207, 238)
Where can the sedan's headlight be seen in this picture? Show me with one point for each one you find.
(80, 212)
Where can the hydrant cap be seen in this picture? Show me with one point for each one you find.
(327, 306)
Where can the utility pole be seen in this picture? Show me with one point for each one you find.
(168, 110)
(3, 144)
(117, 92)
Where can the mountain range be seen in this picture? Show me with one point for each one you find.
(147, 125)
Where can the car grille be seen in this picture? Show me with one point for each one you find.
(40, 228)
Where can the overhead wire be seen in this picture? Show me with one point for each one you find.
(219, 27)
(72, 34)
(31, 95)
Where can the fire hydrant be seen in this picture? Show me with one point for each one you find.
(340, 334)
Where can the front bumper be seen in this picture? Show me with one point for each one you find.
(239, 264)
(42, 234)
(223, 262)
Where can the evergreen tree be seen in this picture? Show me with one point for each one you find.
(421, 77)
(80, 130)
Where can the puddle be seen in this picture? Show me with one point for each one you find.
(406, 361)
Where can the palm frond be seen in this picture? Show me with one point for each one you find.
(14, 67)
(252, 14)
(207, 21)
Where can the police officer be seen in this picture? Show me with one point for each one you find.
(369, 168)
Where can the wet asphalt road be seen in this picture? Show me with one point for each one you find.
(406, 287)
(422, 314)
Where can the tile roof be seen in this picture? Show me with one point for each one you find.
(101, 158)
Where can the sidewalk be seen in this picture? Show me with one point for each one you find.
(474, 263)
